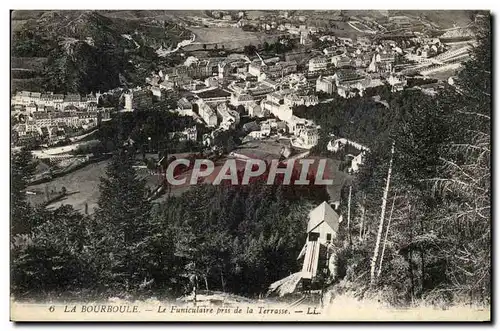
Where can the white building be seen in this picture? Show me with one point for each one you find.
(282, 112)
(309, 137)
(207, 114)
(137, 98)
(191, 133)
(325, 84)
(241, 99)
(322, 229)
(212, 82)
(254, 110)
(338, 144)
(184, 107)
(397, 83)
(292, 100)
(265, 128)
(318, 64)
(229, 118)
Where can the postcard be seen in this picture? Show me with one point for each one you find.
(250, 165)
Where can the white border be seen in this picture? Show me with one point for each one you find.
(197, 4)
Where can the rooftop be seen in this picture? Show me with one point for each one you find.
(323, 213)
(213, 93)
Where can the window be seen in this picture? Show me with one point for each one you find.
(328, 237)
(313, 236)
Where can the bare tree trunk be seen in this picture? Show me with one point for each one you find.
(349, 216)
(381, 223)
(206, 282)
(362, 225)
(385, 238)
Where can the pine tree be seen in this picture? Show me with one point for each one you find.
(22, 170)
(123, 217)
(464, 179)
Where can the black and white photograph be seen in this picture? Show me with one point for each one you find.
(250, 165)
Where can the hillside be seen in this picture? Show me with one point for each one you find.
(444, 19)
(88, 51)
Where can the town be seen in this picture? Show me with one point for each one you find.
(255, 88)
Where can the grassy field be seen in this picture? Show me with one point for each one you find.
(230, 38)
(82, 186)
(343, 29)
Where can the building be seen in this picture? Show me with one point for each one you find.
(255, 67)
(270, 83)
(72, 100)
(265, 128)
(198, 69)
(397, 83)
(269, 106)
(36, 101)
(356, 150)
(341, 61)
(26, 97)
(325, 84)
(184, 107)
(308, 137)
(214, 96)
(72, 119)
(167, 85)
(363, 41)
(322, 229)
(212, 82)
(32, 108)
(251, 126)
(293, 99)
(207, 114)
(190, 134)
(228, 118)
(330, 51)
(400, 20)
(241, 99)
(318, 64)
(276, 97)
(272, 69)
(258, 90)
(257, 134)
(282, 112)
(254, 110)
(138, 99)
(350, 79)
(345, 41)
(158, 93)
